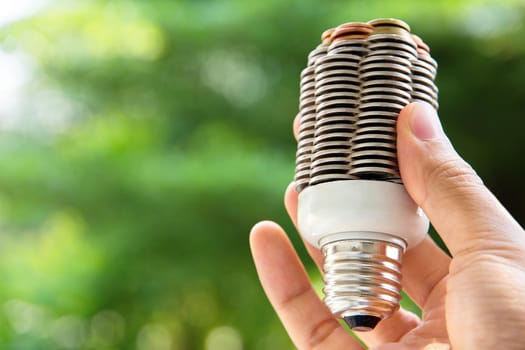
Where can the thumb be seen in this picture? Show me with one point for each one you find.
(464, 212)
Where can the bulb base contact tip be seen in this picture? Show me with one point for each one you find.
(362, 323)
(362, 280)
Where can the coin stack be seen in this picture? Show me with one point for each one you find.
(356, 83)
(307, 112)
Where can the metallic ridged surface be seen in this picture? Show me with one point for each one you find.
(356, 83)
(362, 277)
(307, 108)
(336, 99)
(423, 74)
(389, 58)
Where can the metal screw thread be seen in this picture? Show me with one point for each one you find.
(362, 277)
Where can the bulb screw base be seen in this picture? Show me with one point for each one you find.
(362, 280)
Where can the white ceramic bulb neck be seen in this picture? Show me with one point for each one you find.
(362, 210)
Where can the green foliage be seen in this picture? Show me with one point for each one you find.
(155, 133)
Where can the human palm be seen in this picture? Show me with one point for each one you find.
(470, 301)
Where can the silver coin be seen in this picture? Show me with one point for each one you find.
(305, 142)
(302, 170)
(304, 151)
(303, 158)
(325, 145)
(375, 121)
(382, 74)
(329, 81)
(348, 121)
(338, 111)
(331, 167)
(342, 157)
(329, 161)
(341, 56)
(391, 106)
(348, 76)
(374, 129)
(342, 151)
(372, 144)
(394, 52)
(371, 169)
(305, 135)
(306, 123)
(391, 41)
(316, 53)
(377, 97)
(339, 136)
(428, 60)
(348, 102)
(357, 45)
(421, 89)
(301, 185)
(420, 71)
(406, 86)
(348, 69)
(337, 87)
(367, 153)
(374, 162)
(333, 128)
(307, 71)
(309, 118)
(387, 115)
(424, 85)
(424, 66)
(303, 174)
(427, 99)
(305, 102)
(385, 90)
(422, 95)
(353, 97)
(374, 137)
(384, 66)
(372, 58)
(308, 109)
(307, 86)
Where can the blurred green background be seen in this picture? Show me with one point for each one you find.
(140, 140)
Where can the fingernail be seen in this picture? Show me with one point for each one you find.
(424, 122)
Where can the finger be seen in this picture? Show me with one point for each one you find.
(290, 202)
(307, 320)
(423, 266)
(392, 329)
(461, 208)
(388, 330)
(296, 123)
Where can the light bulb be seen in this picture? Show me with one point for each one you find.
(352, 203)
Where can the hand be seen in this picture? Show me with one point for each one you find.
(474, 300)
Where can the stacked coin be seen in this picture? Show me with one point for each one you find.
(356, 83)
(307, 114)
(423, 74)
(337, 88)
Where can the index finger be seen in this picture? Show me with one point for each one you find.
(465, 213)
(296, 123)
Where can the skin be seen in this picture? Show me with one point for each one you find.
(474, 300)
